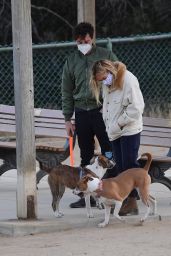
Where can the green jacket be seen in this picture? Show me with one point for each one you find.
(76, 91)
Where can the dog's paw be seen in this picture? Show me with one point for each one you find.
(153, 213)
(90, 215)
(100, 206)
(122, 220)
(119, 218)
(102, 224)
(58, 214)
(142, 221)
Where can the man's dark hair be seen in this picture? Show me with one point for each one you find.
(82, 29)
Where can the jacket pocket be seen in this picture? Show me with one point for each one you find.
(114, 130)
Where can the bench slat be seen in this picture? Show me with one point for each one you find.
(47, 132)
(7, 118)
(7, 128)
(155, 141)
(7, 121)
(156, 134)
(157, 122)
(39, 131)
(47, 113)
(41, 125)
(39, 145)
(7, 109)
(156, 129)
(49, 120)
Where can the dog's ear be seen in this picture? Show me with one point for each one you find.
(92, 160)
(112, 163)
(102, 161)
(105, 162)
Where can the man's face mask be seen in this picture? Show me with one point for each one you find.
(84, 48)
(108, 80)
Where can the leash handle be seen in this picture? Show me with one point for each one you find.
(71, 151)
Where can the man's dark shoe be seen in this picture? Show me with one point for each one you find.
(81, 203)
(129, 207)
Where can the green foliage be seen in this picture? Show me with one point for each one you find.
(126, 17)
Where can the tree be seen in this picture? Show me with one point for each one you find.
(113, 18)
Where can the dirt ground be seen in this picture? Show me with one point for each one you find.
(129, 239)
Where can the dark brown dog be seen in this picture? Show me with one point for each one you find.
(62, 176)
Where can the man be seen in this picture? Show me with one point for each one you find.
(77, 97)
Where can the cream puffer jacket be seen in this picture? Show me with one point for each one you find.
(123, 109)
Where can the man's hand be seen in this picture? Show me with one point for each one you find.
(70, 128)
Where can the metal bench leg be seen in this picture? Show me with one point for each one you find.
(158, 176)
(5, 167)
(165, 181)
(169, 152)
(39, 175)
(8, 157)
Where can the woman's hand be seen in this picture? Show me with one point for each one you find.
(115, 129)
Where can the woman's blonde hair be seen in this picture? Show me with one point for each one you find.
(117, 69)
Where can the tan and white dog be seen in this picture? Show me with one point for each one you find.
(63, 176)
(116, 190)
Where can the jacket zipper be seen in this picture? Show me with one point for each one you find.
(86, 82)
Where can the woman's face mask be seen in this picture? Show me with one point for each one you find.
(108, 80)
(84, 48)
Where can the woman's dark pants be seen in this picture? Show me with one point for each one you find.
(125, 150)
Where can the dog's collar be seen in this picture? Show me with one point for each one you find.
(100, 186)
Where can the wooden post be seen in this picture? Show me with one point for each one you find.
(24, 109)
(86, 11)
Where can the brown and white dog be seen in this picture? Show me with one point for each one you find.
(116, 190)
(63, 176)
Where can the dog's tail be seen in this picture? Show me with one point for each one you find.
(149, 160)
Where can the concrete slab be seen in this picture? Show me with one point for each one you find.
(22, 228)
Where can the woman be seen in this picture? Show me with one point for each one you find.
(123, 107)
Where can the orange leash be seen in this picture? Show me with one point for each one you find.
(71, 151)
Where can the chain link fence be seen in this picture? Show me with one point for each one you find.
(148, 57)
